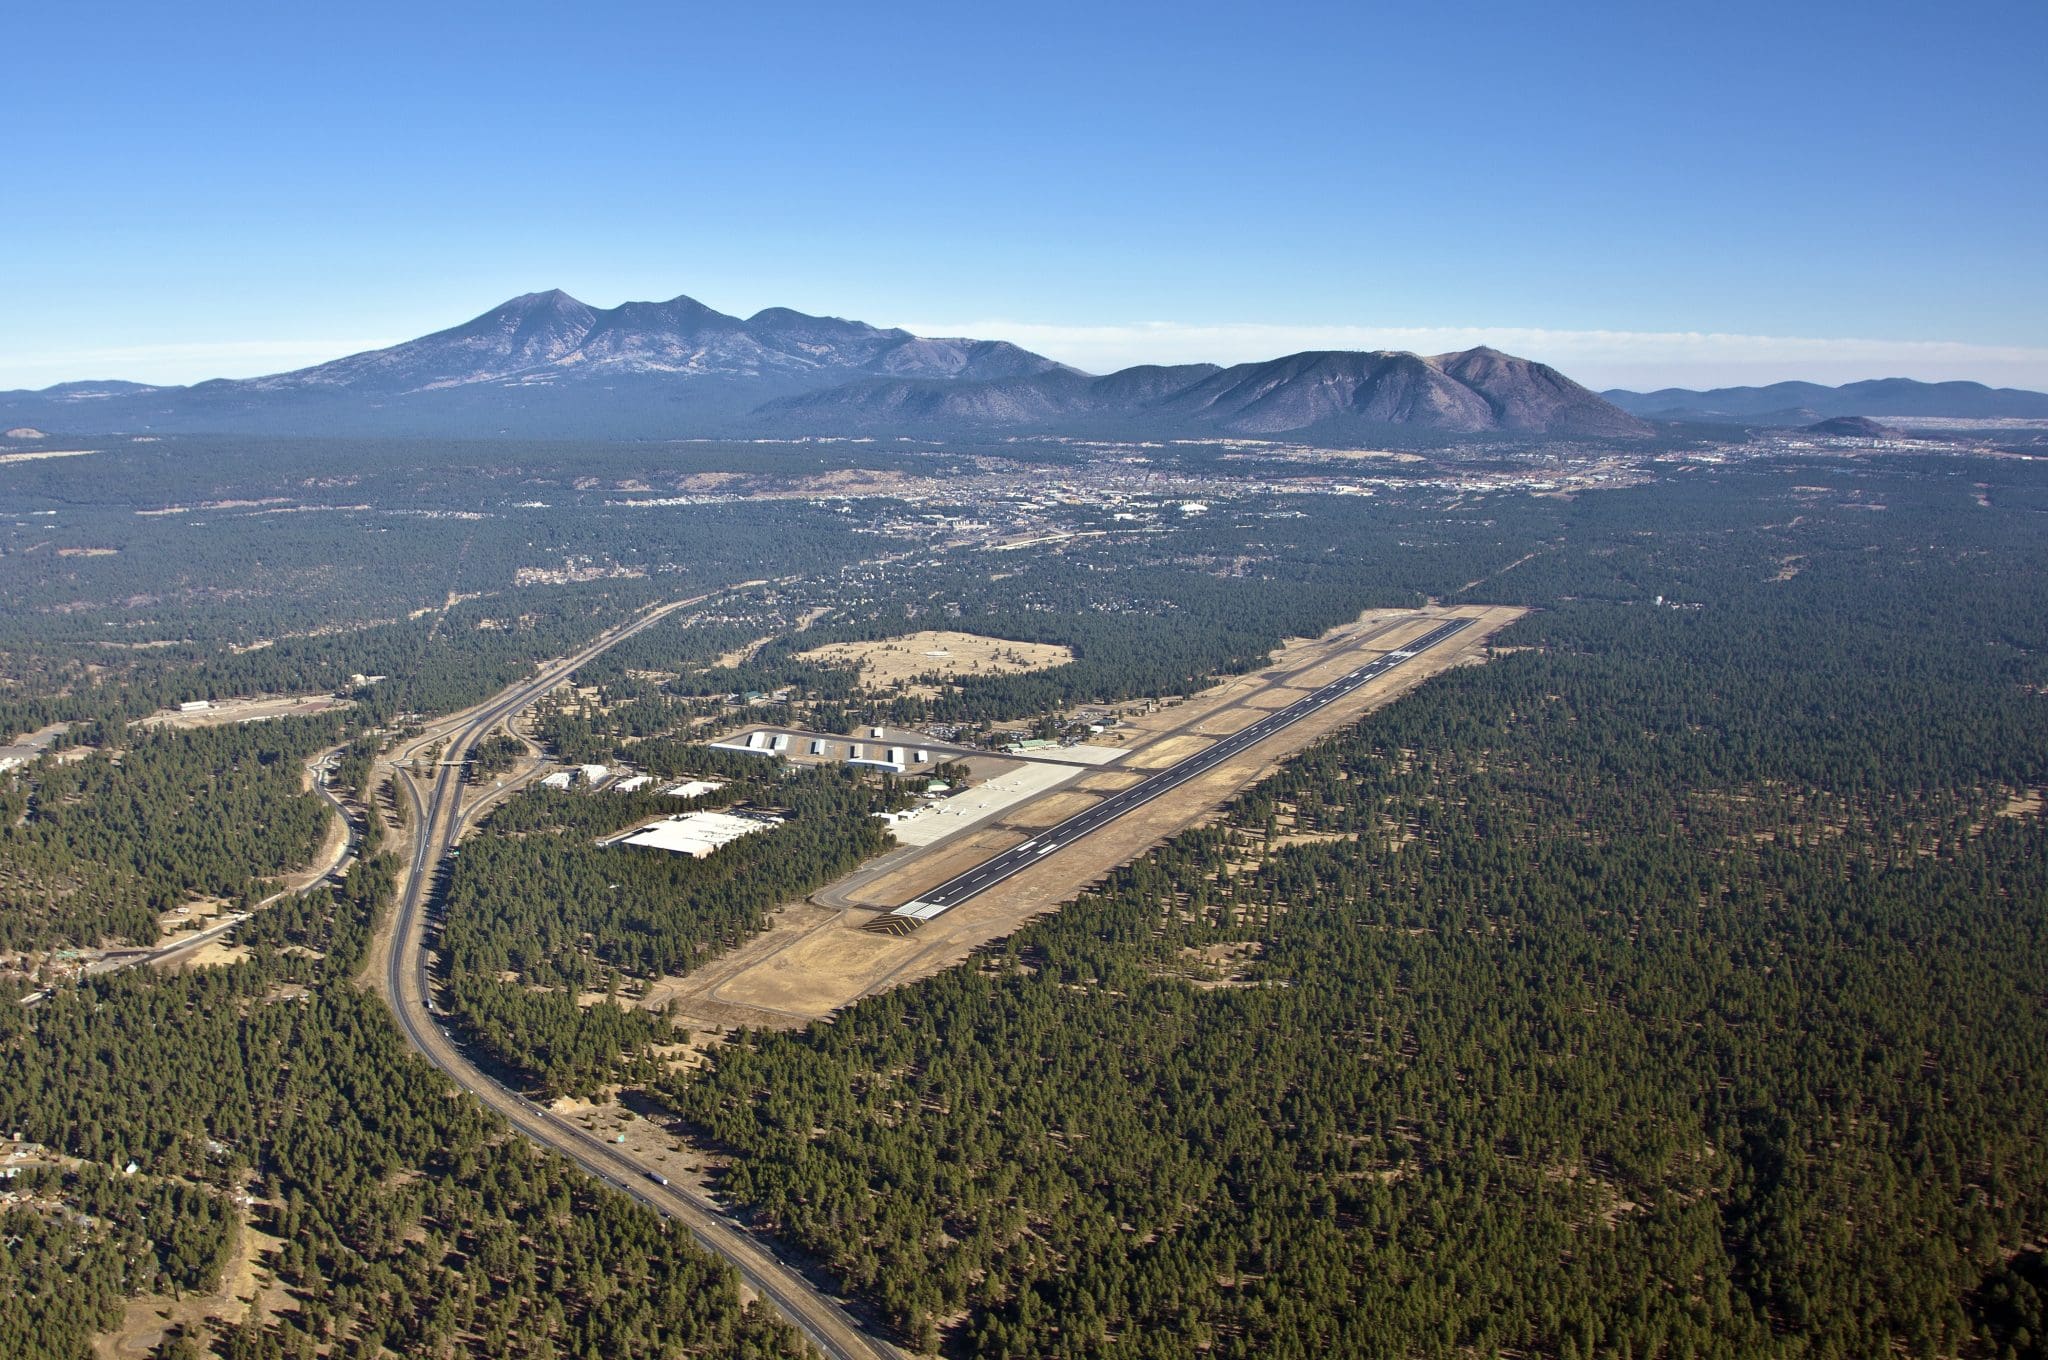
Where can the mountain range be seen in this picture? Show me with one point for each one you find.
(548, 365)
(1470, 392)
(1801, 403)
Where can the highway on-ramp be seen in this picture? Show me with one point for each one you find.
(438, 823)
(973, 882)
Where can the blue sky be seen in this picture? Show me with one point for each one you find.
(1640, 193)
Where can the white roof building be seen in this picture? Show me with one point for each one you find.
(698, 834)
(695, 788)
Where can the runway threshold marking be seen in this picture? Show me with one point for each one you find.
(973, 882)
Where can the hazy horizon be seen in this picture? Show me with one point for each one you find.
(1638, 197)
(1599, 359)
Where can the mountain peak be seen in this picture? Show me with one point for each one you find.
(553, 307)
(680, 312)
(533, 302)
(1339, 392)
(788, 321)
(549, 363)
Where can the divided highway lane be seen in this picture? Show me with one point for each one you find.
(438, 818)
(990, 872)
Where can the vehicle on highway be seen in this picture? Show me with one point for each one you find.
(439, 811)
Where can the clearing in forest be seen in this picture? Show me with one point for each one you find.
(886, 663)
(257, 708)
(248, 1289)
(814, 958)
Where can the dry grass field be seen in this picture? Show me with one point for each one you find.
(247, 1289)
(884, 664)
(812, 960)
(261, 709)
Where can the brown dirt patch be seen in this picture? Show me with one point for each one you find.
(1220, 965)
(647, 1142)
(1287, 838)
(246, 1288)
(886, 663)
(213, 953)
(248, 710)
(1050, 808)
(743, 654)
(1159, 754)
(812, 961)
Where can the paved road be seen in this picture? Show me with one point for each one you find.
(849, 895)
(973, 882)
(114, 960)
(438, 823)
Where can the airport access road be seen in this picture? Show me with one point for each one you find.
(973, 882)
(438, 823)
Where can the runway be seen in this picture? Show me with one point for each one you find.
(438, 823)
(990, 872)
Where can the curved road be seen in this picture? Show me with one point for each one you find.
(114, 960)
(438, 823)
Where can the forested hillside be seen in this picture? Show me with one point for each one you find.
(537, 912)
(96, 846)
(403, 1220)
(195, 567)
(1672, 985)
(1146, 613)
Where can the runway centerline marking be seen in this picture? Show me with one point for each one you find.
(971, 883)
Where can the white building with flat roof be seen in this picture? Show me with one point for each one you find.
(694, 788)
(698, 834)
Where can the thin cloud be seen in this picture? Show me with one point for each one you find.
(174, 363)
(1599, 358)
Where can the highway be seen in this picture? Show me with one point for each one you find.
(973, 882)
(438, 824)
